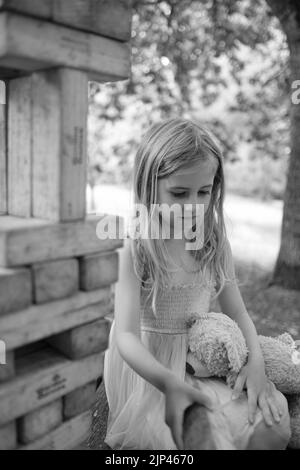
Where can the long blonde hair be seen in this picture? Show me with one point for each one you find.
(165, 148)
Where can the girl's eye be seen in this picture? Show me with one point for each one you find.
(183, 194)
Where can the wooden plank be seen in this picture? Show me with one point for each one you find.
(98, 270)
(40, 8)
(36, 424)
(111, 18)
(3, 153)
(42, 378)
(40, 321)
(59, 136)
(7, 371)
(82, 340)
(19, 146)
(27, 241)
(67, 436)
(55, 280)
(8, 436)
(80, 400)
(101, 58)
(15, 290)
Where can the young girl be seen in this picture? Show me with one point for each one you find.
(160, 285)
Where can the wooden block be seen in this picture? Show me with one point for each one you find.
(42, 378)
(36, 424)
(19, 146)
(110, 18)
(55, 280)
(82, 340)
(59, 134)
(67, 436)
(30, 44)
(8, 436)
(98, 270)
(79, 400)
(7, 371)
(40, 8)
(3, 153)
(28, 241)
(15, 289)
(39, 321)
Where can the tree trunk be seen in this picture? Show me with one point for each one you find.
(287, 268)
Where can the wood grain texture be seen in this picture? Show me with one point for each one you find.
(82, 340)
(98, 270)
(36, 424)
(27, 241)
(3, 153)
(59, 139)
(15, 290)
(103, 59)
(110, 18)
(42, 378)
(79, 400)
(55, 280)
(66, 437)
(39, 321)
(19, 146)
(8, 436)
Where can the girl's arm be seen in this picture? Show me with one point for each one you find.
(232, 304)
(260, 390)
(127, 323)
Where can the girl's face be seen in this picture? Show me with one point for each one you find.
(192, 185)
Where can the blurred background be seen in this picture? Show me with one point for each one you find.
(227, 65)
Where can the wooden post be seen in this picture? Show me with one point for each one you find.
(56, 275)
(3, 155)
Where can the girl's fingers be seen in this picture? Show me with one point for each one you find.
(265, 410)
(239, 385)
(252, 405)
(274, 409)
(176, 428)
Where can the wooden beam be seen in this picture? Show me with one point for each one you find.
(59, 141)
(42, 378)
(41, 321)
(3, 153)
(67, 436)
(29, 44)
(27, 241)
(19, 146)
(111, 18)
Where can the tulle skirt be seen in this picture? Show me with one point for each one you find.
(136, 417)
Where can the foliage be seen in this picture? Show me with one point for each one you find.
(221, 62)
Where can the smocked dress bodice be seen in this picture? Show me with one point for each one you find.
(175, 304)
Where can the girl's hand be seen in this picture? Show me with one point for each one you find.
(261, 392)
(179, 396)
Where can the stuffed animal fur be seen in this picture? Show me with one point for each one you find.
(217, 347)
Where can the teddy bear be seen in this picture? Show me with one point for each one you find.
(217, 347)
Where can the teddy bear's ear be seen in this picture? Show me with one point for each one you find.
(234, 358)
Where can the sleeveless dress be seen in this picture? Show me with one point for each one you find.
(137, 408)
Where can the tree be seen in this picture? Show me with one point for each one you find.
(287, 268)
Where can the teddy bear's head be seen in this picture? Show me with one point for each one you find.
(217, 342)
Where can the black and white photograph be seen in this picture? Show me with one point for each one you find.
(150, 227)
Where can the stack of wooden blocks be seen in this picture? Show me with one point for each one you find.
(56, 276)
